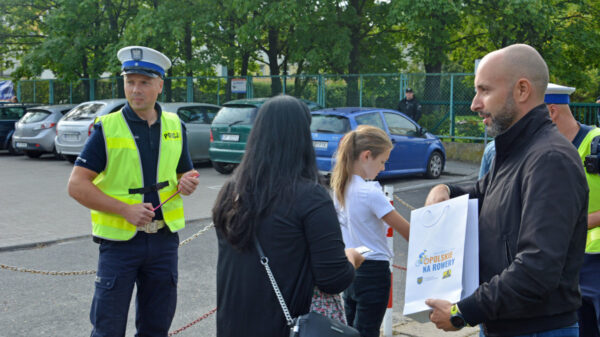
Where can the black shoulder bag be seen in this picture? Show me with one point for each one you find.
(307, 325)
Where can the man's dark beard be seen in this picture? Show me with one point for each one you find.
(503, 120)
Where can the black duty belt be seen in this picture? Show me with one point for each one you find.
(147, 189)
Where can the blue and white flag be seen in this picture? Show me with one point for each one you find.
(7, 90)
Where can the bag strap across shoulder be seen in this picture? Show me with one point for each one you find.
(265, 262)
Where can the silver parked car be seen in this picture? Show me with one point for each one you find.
(76, 126)
(35, 131)
(197, 118)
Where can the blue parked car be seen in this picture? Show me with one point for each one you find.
(416, 151)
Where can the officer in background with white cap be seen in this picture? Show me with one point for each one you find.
(136, 159)
(582, 136)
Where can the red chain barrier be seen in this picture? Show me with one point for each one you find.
(399, 267)
(192, 323)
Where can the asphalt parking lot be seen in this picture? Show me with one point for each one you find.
(43, 229)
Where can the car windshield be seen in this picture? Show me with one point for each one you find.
(83, 112)
(235, 115)
(35, 116)
(197, 114)
(329, 124)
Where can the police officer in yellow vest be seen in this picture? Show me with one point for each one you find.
(135, 160)
(557, 100)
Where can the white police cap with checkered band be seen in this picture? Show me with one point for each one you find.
(143, 60)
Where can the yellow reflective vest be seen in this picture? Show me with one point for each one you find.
(123, 171)
(592, 244)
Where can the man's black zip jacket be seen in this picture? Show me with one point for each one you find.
(532, 230)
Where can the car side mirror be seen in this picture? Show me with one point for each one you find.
(422, 131)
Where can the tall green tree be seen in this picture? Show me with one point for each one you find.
(174, 27)
(270, 26)
(21, 28)
(428, 31)
(346, 37)
(170, 27)
(565, 32)
(74, 43)
(78, 35)
(223, 44)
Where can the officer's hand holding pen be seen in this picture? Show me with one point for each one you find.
(138, 214)
(188, 182)
(141, 214)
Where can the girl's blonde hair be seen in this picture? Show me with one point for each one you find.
(364, 138)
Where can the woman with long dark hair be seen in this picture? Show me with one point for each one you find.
(275, 195)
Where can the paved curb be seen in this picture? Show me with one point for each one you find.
(42, 244)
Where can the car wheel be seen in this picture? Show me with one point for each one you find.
(435, 165)
(11, 149)
(33, 154)
(223, 168)
(71, 159)
(56, 154)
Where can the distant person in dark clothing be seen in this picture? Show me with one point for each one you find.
(410, 105)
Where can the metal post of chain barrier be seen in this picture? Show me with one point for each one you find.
(388, 190)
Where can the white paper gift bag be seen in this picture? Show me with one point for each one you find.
(443, 253)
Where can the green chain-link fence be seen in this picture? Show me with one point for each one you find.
(445, 98)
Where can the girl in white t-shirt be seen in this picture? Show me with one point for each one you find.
(363, 212)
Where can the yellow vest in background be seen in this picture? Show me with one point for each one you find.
(124, 171)
(592, 244)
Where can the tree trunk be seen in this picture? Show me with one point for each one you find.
(245, 63)
(168, 87)
(86, 78)
(86, 88)
(432, 85)
(299, 83)
(352, 94)
(120, 85)
(187, 47)
(272, 54)
(230, 74)
(244, 72)
(112, 19)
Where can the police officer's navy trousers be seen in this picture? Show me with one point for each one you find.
(150, 262)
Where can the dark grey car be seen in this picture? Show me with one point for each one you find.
(197, 118)
(35, 131)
